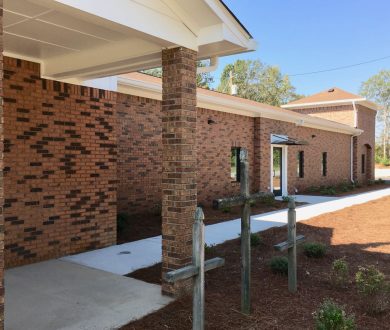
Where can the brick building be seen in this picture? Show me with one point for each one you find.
(80, 143)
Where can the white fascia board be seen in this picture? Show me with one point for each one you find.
(138, 17)
(213, 102)
(362, 101)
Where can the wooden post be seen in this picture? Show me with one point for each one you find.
(196, 270)
(245, 235)
(291, 245)
(198, 262)
(292, 251)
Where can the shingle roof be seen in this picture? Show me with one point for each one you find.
(332, 94)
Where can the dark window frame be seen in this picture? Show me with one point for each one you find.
(237, 151)
(301, 164)
(324, 164)
(363, 159)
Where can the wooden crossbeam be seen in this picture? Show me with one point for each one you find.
(241, 200)
(191, 270)
(287, 245)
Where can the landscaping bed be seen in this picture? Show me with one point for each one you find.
(136, 227)
(359, 234)
(345, 189)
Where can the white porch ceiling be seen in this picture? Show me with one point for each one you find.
(86, 39)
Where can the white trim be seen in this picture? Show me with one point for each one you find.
(362, 101)
(236, 105)
(284, 174)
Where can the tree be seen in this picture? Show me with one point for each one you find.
(258, 82)
(377, 89)
(203, 80)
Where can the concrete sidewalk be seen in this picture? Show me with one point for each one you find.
(126, 258)
(62, 295)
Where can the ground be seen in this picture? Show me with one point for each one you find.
(149, 225)
(142, 226)
(360, 234)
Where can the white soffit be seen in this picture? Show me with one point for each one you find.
(86, 39)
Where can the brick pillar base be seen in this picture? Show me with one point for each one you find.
(1, 176)
(179, 162)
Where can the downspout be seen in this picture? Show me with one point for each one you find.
(354, 125)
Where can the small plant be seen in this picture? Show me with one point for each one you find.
(121, 221)
(370, 182)
(255, 239)
(279, 265)
(372, 287)
(331, 316)
(314, 189)
(330, 190)
(252, 203)
(287, 198)
(314, 249)
(340, 273)
(226, 209)
(209, 248)
(379, 181)
(345, 187)
(268, 200)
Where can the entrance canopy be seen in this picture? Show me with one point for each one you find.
(88, 39)
(286, 140)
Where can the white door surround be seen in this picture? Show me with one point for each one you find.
(284, 175)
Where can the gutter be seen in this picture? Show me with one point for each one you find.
(214, 61)
(230, 104)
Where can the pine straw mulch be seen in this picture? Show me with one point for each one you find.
(360, 234)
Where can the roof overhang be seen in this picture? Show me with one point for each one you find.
(225, 103)
(88, 39)
(362, 101)
(285, 140)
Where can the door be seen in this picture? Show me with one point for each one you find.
(277, 169)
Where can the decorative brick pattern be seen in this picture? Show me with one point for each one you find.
(1, 174)
(60, 157)
(179, 161)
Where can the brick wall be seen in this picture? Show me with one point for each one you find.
(342, 113)
(365, 144)
(59, 166)
(139, 165)
(319, 141)
(1, 174)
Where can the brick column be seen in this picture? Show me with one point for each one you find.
(179, 161)
(1, 175)
(355, 159)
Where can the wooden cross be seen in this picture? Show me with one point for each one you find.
(244, 199)
(196, 270)
(291, 245)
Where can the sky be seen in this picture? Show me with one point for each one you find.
(302, 36)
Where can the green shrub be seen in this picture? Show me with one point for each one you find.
(121, 221)
(372, 287)
(286, 198)
(268, 200)
(314, 249)
(385, 161)
(379, 181)
(252, 203)
(340, 273)
(226, 209)
(331, 316)
(330, 190)
(279, 265)
(209, 248)
(255, 239)
(345, 186)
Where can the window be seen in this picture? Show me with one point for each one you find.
(324, 163)
(363, 163)
(300, 164)
(235, 164)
